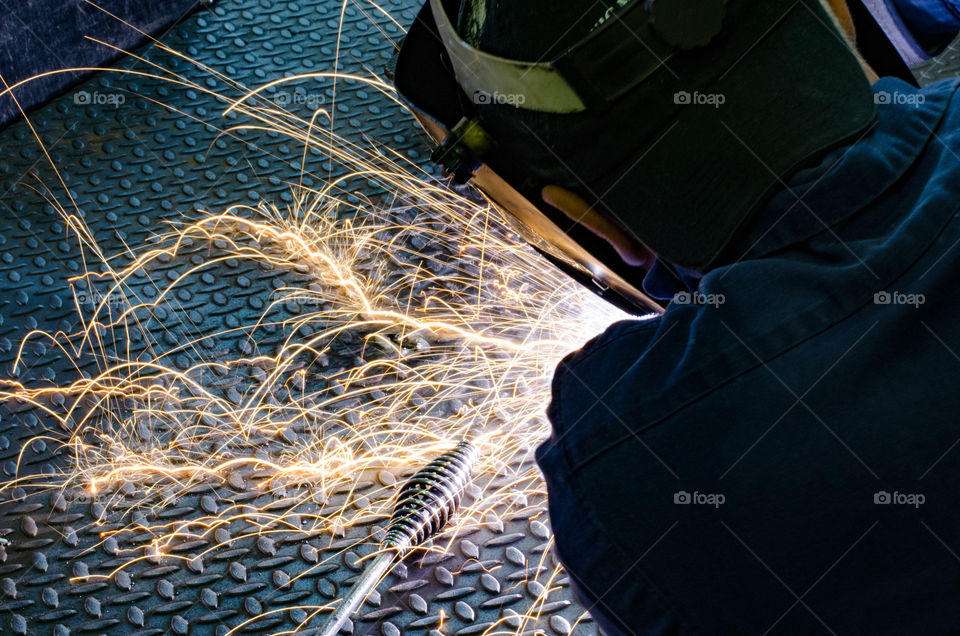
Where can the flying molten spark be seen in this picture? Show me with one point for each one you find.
(409, 323)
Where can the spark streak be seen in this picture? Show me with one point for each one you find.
(453, 327)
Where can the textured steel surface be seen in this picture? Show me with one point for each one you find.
(944, 65)
(131, 167)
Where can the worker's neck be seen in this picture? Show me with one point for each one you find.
(867, 69)
(843, 21)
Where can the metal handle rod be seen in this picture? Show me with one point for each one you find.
(368, 580)
(424, 505)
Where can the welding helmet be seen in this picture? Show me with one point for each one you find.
(677, 117)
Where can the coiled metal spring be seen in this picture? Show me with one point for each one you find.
(424, 505)
(430, 498)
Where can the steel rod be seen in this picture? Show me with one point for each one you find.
(424, 505)
(361, 588)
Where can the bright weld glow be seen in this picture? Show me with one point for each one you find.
(458, 338)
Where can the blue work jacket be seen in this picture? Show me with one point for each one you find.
(779, 452)
(930, 17)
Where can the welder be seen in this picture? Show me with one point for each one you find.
(778, 451)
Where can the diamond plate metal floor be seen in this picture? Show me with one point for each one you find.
(131, 168)
(945, 64)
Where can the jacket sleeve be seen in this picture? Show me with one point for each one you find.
(930, 17)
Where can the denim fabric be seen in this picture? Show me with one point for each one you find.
(930, 17)
(37, 36)
(725, 468)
